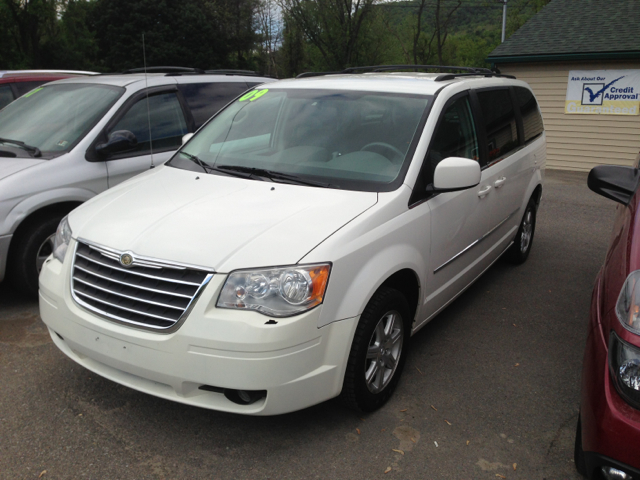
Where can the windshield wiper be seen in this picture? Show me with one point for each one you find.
(197, 160)
(273, 175)
(35, 150)
(209, 168)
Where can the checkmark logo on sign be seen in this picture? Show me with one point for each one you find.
(594, 93)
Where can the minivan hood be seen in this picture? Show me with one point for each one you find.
(9, 165)
(215, 221)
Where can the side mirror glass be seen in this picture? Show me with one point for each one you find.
(614, 182)
(118, 142)
(455, 173)
(185, 138)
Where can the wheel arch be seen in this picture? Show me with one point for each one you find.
(405, 281)
(537, 195)
(61, 208)
(395, 267)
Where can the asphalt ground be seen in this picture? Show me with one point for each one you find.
(490, 390)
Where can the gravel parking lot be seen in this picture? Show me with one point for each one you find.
(491, 389)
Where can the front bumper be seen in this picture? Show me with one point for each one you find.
(610, 426)
(298, 364)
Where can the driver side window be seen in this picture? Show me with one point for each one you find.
(164, 118)
(455, 136)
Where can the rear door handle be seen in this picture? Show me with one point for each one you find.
(484, 191)
(498, 183)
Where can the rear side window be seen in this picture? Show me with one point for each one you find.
(499, 121)
(531, 118)
(24, 87)
(6, 96)
(205, 99)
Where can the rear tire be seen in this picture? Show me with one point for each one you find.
(29, 250)
(519, 251)
(378, 353)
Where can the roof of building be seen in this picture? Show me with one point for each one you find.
(573, 30)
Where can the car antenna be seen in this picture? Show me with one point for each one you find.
(146, 84)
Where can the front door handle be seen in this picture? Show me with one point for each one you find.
(498, 183)
(484, 191)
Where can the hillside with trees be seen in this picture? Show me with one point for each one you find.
(277, 37)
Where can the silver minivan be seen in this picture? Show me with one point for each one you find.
(65, 142)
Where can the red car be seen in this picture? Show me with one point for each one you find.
(608, 432)
(15, 83)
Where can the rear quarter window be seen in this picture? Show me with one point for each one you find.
(24, 87)
(6, 96)
(205, 99)
(531, 118)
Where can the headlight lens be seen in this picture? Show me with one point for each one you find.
(624, 366)
(628, 306)
(62, 239)
(276, 292)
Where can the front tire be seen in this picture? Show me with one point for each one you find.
(519, 251)
(378, 352)
(31, 248)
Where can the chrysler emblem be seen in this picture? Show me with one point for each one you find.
(126, 260)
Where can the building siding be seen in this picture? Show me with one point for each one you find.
(578, 142)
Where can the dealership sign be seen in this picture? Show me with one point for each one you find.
(603, 92)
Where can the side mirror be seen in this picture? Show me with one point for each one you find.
(118, 142)
(614, 182)
(186, 138)
(455, 173)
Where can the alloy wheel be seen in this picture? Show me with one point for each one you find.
(383, 353)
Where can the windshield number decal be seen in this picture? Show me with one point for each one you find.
(31, 92)
(253, 95)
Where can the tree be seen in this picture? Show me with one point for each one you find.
(270, 28)
(333, 27)
(32, 26)
(194, 33)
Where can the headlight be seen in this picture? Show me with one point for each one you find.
(628, 306)
(277, 292)
(624, 367)
(62, 239)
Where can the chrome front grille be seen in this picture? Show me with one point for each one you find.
(149, 293)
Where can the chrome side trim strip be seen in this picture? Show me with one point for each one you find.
(415, 328)
(475, 242)
(129, 284)
(133, 272)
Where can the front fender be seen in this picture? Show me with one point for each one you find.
(29, 205)
(354, 281)
(367, 251)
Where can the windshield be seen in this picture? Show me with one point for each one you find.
(54, 118)
(342, 139)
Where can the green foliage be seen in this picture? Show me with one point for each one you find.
(281, 37)
(396, 33)
(195, 33)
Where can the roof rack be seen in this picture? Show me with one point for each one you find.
(176, 71)
(231, 71)
(469, 71)
(164, 70)
(451, 76)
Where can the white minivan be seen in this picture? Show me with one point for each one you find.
(66, 141)
(288, 251)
